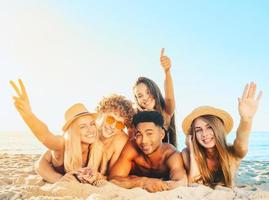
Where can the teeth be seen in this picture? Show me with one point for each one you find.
(89, 135)
(207, 140)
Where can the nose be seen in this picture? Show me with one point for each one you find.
(205, 133)
(113, 125)
(144, 139)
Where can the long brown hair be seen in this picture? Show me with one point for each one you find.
(171, 135)
(223, 175)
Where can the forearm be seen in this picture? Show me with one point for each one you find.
(169, 92)
(44, 168)
(193, 172)
(128, 182)
(39, 129)
(242, 137)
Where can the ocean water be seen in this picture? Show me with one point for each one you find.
(254, 169)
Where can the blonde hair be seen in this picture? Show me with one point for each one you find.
(73, 153)
(224, 156)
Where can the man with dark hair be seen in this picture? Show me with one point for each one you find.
(147, 162)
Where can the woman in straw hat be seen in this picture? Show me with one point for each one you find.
(149, 97)
(115, 113)
(78, 147)
(208, 159)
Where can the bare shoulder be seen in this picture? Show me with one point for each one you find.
(168, 150)
(186, 157)
(185, 153)
(130, 150)
(120, 138)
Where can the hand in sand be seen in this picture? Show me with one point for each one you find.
(21, 101)
(68, 177)
(90, 176)
(155, 185)
(165, 61)
(248, 104)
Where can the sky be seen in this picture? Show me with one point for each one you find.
(80, 51)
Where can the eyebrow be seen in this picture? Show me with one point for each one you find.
(207, 125)
(149, 129)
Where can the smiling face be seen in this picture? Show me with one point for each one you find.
(144, 98)
(113, 123)
(148, 137)
(87, 129)
(204, 133)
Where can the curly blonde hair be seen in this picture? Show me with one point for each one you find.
(117, 103)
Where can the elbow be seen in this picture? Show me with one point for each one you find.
(242, 152)
(111, 177)
(37, 167)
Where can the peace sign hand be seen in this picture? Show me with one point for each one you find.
(248, 104)
(165, 61)
(21, 101)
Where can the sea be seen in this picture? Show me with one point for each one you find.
(254, 168)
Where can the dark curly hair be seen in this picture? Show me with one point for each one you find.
(117, 103)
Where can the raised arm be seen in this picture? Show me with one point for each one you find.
(178, 174)
(168, 84)
(40, 130)
(247, 106)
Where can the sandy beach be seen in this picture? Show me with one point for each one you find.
(18, 180)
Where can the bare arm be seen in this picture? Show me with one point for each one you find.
(168, 84)
(120, 171)
(190, 161)
(247, 107)
(123, 166)
(178, 175)
(45, 170)
(39, 129)
(119, 142)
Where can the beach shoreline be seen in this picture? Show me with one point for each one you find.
(18, 180)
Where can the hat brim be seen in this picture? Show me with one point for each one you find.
(69, 122)
(223, 115)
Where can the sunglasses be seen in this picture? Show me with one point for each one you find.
(111, 120)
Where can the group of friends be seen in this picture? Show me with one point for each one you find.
(136, 146)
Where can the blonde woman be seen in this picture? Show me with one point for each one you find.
(208, 159)
(79, 145)
(115, 114)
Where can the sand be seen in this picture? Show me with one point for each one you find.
(18, 180)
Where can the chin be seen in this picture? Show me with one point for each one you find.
(88, 141)
(108, 135)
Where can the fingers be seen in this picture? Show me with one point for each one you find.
(245, 92)
(162, 52)
(259, 96)
(252, 90)
(15, 88)
(23, 90)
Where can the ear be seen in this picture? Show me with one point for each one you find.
(162, 132)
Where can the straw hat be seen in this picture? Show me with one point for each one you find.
(75, 111)
(208, 110)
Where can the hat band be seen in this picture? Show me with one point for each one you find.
(81, 113)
